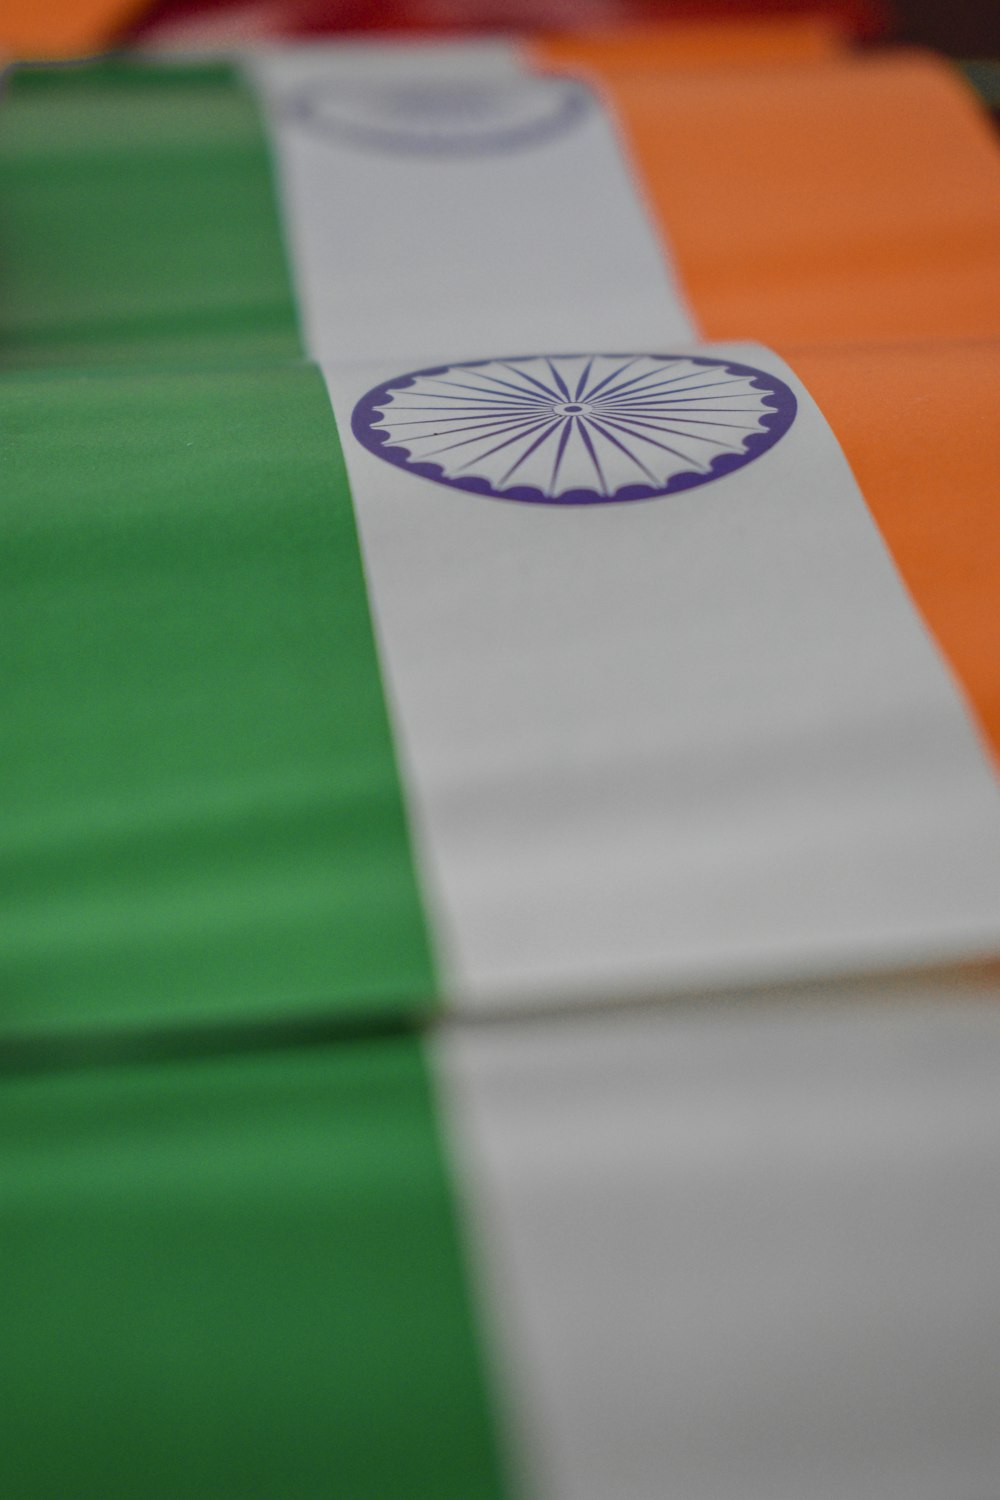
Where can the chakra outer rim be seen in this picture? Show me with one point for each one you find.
(574, 103)
(781, 407)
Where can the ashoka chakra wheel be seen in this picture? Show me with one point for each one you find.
(576, 429)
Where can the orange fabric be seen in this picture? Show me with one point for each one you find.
(62, 28)
(918, 425)
(836, 200)
(691, 44)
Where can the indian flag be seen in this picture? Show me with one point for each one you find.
(499, 548)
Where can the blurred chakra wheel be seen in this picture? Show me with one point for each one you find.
(576, 429)
(442, 116)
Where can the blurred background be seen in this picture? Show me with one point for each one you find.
(964, 29)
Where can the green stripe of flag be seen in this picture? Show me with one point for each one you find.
(203, 818)
(236, 1278)
(137, 220)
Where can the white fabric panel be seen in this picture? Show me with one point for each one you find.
(697, 740)
(743, 1253)
(399, 250)
(689, 741)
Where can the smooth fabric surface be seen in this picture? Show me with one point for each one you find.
(203, 820)
(745, 1251)
(235, 1280)
(137, 220)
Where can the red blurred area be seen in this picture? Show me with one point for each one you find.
(862, 19)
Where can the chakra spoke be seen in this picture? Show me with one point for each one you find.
(527, 454)
(610, 438)
(673, 401)
(643, 391)
(522, 433)
(696, 437)
(651, 375)
(522, 424)
(567, 428)
(563, 387)
(654, 411)
(583, 379)
(589, 443)
(628, 365)
(487, 415)
(485, 394)
(545, 389)
(655, 442)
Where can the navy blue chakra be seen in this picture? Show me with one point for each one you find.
(576, 429)
(442, 116)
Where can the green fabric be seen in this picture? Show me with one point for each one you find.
(202, 814)
(137, 221)
(235, 1280)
